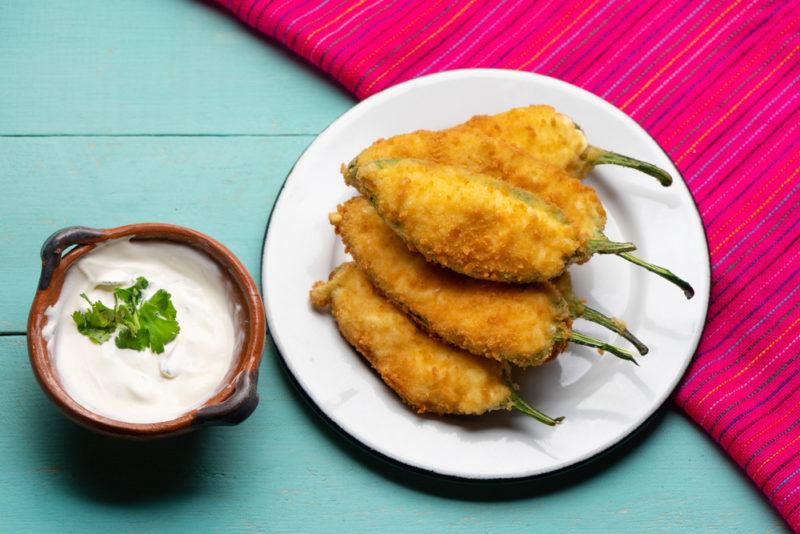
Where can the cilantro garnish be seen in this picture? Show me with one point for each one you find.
(138, 324)
(98, 323)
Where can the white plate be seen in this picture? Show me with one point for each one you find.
(604, 399)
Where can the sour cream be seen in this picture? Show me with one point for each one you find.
(144, 387)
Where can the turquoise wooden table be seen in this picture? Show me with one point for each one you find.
(168, 110)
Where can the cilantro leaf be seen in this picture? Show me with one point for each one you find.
(138, 325)
(158, 318)
(132, 295)
(128, 339)
(97, 323)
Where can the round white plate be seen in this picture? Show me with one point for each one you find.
(604, 399)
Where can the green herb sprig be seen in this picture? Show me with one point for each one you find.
(138, 324)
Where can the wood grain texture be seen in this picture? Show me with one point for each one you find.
(222, 186)
(284, 470)
(151, 66)
(90, 93)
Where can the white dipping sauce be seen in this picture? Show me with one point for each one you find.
(128, 385)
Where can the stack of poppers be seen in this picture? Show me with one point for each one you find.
(461, 240)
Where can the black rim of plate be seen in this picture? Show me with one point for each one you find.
(352, 440)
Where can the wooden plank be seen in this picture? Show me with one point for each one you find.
(185, 67)
(283, 470)
(223, 186)
(150, 66)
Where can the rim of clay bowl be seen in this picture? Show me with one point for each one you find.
(237, 397)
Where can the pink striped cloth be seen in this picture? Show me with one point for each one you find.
(715, 82)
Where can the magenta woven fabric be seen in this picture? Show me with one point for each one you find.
(715, 82)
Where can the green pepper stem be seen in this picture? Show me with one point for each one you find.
(581, 339)
(604, 246)
(660, 271)
(590, 314)
(520, 405)
(612, 158)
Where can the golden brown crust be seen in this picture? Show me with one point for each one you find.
(429, 375)
(469, 222)
(471, 149)
(542, 132)
(561, 343)
(515, 323)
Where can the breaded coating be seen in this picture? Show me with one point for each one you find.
(508, 322)
(469, 222)
(563, 284)
(429, 375)
(542, 132)
(464, 147)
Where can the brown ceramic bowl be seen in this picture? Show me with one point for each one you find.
(237, 398)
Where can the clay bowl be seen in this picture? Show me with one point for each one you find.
(237, 398)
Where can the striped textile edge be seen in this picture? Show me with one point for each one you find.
(715, 83)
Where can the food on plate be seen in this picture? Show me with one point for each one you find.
(578, 308)
(479, 153)
(663, 272)
(461, 240)
(524, 324)
(143, 331)
(553, 137)
(473, 223)
(474, 151)
(427, 374)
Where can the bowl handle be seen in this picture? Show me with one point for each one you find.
(235, 408)
(54, 246)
